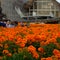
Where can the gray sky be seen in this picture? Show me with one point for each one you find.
(58, 1)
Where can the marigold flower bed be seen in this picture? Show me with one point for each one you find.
(36, 42)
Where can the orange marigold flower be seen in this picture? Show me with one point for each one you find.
(5, 51)
(55, 52)
(42, 43)
(19, 50)
(36, 55)
(1, 57)
(41, 49)
(6, 46)
(1, 45)
(49, 58)
(31, 49)
(58, 56)
(22, 45)
(9, 54)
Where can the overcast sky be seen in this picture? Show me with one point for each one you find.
(58, 1)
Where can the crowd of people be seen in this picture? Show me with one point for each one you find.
(8, 23)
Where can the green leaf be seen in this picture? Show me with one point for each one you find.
(49, 49)
(58, 39)
(4, 58)
(36, 44)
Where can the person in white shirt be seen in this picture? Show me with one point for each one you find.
(9, 25)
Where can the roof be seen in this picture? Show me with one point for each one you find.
(57, 3)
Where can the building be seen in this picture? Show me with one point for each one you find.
(45, 8)
(34, 8)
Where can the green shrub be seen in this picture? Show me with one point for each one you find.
(49, 49)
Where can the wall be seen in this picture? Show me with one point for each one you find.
(8, 9)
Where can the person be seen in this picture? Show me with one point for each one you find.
(2, 24)
(22, 24)
(8, 24)
(11, 24)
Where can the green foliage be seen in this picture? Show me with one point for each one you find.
(49, 30)
(4, 58)
(36, 44)
(49, 49)
(30, 32)
(24, 55)
(1, 49)
(58, 39)
(12, 46)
